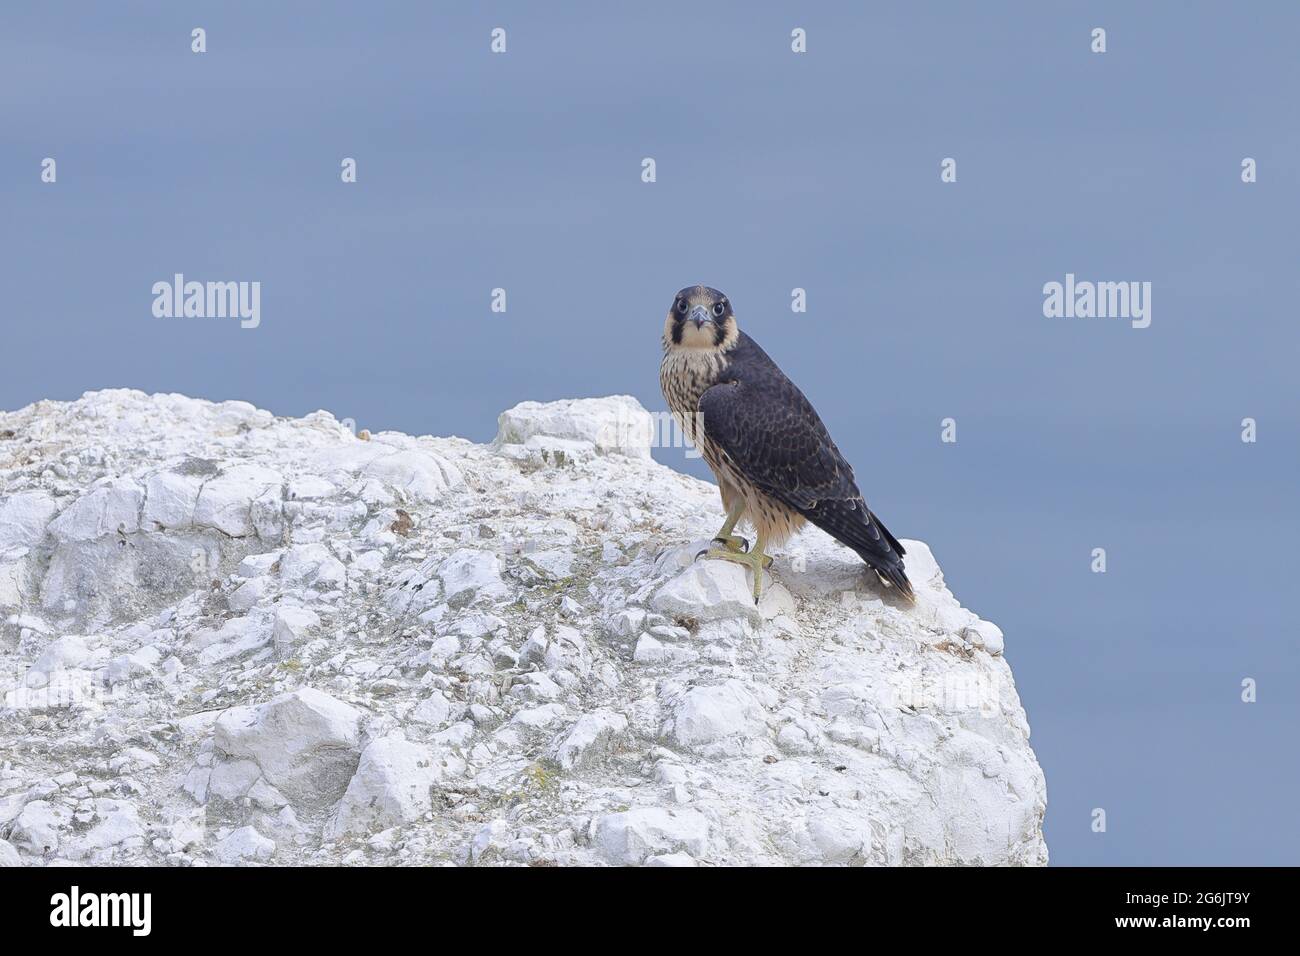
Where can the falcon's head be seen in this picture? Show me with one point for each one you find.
(700, 318)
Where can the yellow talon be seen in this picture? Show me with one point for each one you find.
(734, 543)
(756, 561)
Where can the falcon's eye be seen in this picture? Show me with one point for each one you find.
(681, 306)
(719, 308)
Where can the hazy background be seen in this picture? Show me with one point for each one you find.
(775, 170)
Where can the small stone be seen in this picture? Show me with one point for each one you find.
(312, 565)
(9, 855)
(985, 634)
(628, 838)
(39, 827)
(244, 845)
(708, 591)
(305, 743)
(672, 859)
(590, 736)
(433, 711)
(64, 654)
(468, 574)
(248, 595)
(393, 785)
(707, 714)
(293, 625)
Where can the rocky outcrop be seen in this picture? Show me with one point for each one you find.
(230, 638)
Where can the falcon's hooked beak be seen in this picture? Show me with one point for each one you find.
(700, 315)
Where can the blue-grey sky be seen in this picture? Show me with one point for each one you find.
(775, 170)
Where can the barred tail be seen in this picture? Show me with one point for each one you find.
(894, 575)
(862, 531)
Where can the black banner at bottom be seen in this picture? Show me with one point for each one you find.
(341, 905)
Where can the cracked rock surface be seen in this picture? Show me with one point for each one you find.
(228, 638)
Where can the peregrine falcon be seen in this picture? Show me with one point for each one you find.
(774, 460)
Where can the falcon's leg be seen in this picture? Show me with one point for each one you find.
(732, 542)
(755, 560)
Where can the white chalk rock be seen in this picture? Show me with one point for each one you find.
(9, 855)
(420, 475)
(472, 573)
(170, 500)
(434, 710)
(248, 595)
(67, 653)
(292, 626)
(312, 565)
(393, 785)
(116, 828)
(257, 565)
(985, 634)
(709, 591)
(14, 578)
(652, 651)
(24, 518)
(704, 715)
(225, 501)
(591, 736)
(136, 664)
(537, 718)
(235, 639)
(628, 838)
(617, 425)
(243, 846)
(530, 616)
(306, 744)
(40, 826)
(111, 508)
